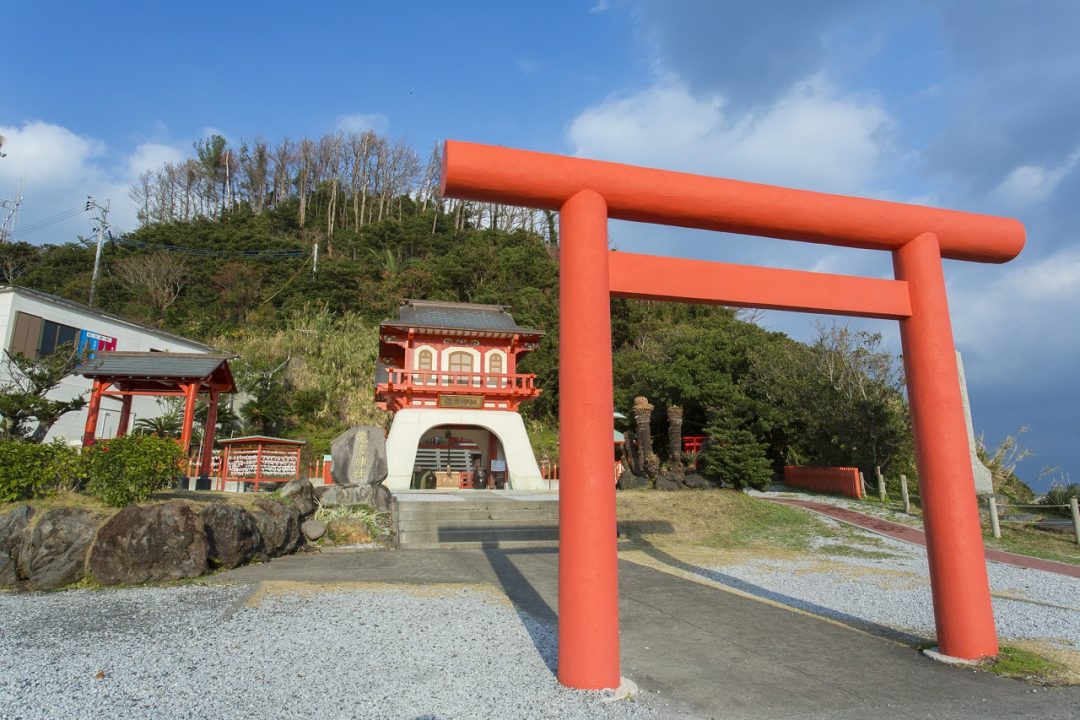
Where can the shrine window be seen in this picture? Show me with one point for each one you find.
(425, 360)
(460, 362)
(495, 367)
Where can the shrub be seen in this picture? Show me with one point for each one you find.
(343, 522)
(127, 469)
(734, 455)
(1060, 494)
(28, 470)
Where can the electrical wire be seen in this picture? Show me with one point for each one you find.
(45, 222)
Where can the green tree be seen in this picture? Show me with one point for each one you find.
(733, 455)
(26, 412)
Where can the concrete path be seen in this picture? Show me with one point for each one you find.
(701, 652)
(916, 536)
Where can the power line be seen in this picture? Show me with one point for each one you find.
(45, 222)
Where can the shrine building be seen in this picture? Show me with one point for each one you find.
(448, 373)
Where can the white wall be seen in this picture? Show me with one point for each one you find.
(411, 424)
(129, 336)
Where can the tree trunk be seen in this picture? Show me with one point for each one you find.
(642, 412)
(674, 416)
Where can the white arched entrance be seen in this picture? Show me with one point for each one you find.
(410, 425)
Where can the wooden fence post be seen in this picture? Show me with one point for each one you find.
(995, 524)
(880, 484)
(904, 494)
(1075, 507)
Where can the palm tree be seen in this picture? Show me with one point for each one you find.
(167, 425)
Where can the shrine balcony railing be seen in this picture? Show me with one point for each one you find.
(464, 382)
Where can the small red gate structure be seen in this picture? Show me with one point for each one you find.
(258, 459)
(586, 193)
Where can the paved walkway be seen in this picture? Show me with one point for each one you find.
(916, 536)
(701, 652)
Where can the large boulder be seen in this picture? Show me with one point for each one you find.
(696, 482)
(359, 456)
(279, 526)
(150, 543)
(12, 527)
(664, 482)
(53, 551)
(629, 481)
(232, 534)
(377, 496)
(300, 493)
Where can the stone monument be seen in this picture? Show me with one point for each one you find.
(984, 484)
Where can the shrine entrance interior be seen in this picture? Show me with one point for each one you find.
(462, 457)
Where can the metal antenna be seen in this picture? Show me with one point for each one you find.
(102, 226)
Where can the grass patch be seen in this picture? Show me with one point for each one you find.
(1027, 540)
(718, 519)
(1032, 665)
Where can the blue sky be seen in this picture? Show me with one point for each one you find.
(966, 104)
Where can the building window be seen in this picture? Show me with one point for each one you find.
(460, 362)
(54, 335)
(495, 367)
(425, 361)
(27, 335)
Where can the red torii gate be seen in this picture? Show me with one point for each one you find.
(125, 375)
(586, 193)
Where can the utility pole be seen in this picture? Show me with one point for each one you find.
(103, 224)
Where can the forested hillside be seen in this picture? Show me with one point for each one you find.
(290, 255)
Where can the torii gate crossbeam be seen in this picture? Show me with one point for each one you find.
(587, 193)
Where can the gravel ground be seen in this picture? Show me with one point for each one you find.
(200, 652)
(894, 591)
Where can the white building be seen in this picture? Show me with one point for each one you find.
(36, 323)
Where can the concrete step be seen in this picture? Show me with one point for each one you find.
(480, 545)
(481, 535)
(475, 515)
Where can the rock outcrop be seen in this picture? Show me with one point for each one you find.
(150, 543)
(232, 534)
(279, 526)
(54, 549)
(12, 527)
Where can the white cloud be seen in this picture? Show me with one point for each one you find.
(528, 66)
(1017, 320)
(1030, 185)
(599, 6)
(361, 122)
(812, 137)
(55, 169)
(152, 156)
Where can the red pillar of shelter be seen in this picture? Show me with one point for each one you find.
(207, 457)
(588, 560)
(191, 394)
(125, 416)
(954, 546)
(90, 429)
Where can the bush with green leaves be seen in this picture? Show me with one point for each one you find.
(735, 456)
(127, 469)
(29, 470)
(1058, 497)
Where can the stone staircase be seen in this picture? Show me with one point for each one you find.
(475, 518)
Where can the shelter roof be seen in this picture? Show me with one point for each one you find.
(150, 371)
(489, 320)
(261, 440)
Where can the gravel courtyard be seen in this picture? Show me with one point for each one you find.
(217, 652)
